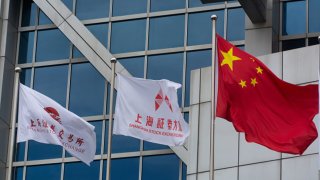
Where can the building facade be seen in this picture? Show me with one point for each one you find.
(154, 39)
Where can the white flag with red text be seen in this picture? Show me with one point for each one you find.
(149, 110)
(43, 120)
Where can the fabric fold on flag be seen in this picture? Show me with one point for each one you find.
(43, 120)
(149, 110)
(270, 111)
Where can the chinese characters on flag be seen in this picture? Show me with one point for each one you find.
(149, 110)
(43, 120)
(269, 111)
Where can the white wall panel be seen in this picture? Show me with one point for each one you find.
(226, 174)
(204, 137)
(300, 168)
(261, 171)
(274, 63)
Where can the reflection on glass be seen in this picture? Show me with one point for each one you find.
(92, 9)
(125, 169)
(19, 151)
(68, 3)
(166, 32)
(293, 44)
(160, 167)
(122, 144)
(25, 77)
(29, 11)
(294, 17)
(52, 82)
(195, 60)
(39, 151)
(47, 172)
(26, 47)
(197, 3)
(17, 173)
(43, 19)
(200, 27)
(87, 90)
(163, 5)
(121, 7)
(314, 16)
(81, 171)
(106, 136)
(128, 36)
(52, 45)
(135, 66)
(235, 26)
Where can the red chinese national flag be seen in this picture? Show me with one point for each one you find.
(269, 111)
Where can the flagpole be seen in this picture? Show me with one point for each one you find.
(13, 122)
(113, 67)
(213, 92)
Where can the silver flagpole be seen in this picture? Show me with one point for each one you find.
(13, 122)
(113, 67)
(213, 93)
(319, 108)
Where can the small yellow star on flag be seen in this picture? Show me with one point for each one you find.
(242, 83)
(259, 70)
(229, 58)
(254, 82)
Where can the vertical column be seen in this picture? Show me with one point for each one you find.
(200, 124)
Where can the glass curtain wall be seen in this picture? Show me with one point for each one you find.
(153, 39)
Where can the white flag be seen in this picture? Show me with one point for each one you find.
(44, 120)
(149, 110)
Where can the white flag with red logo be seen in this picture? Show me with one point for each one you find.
(43, 120)
(149, 110)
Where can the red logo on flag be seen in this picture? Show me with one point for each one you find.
(53, 113)
(159, 99)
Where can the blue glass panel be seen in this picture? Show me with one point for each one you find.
(38, 151)
(92, 9)
(20, 148)
(122, 143)
(126, 7)
(167, 66)
(294, 17)
(68, 3)
(81, 171)
(29, 12)
(43, 19)
(135, 66)
(162, 5)
(47, 172)
(124, 40)
(314, 16)
(184, 172)
(293, 44)
(104, 169)
(76, 53)
(125, 169)
(26, 47)
(160, 167)
(52, 82)
(200, 27)
(52, 45)
(17, 173)
(87, 90)
(25, 77)
(197, 3)
(235, 28)
(166, 32)
(186, 117)
(195, 60)
(100, 31)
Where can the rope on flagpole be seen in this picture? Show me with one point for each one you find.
(213, 94)
(13, 122)
(113, 67)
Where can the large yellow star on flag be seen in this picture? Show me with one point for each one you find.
(229, 58)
